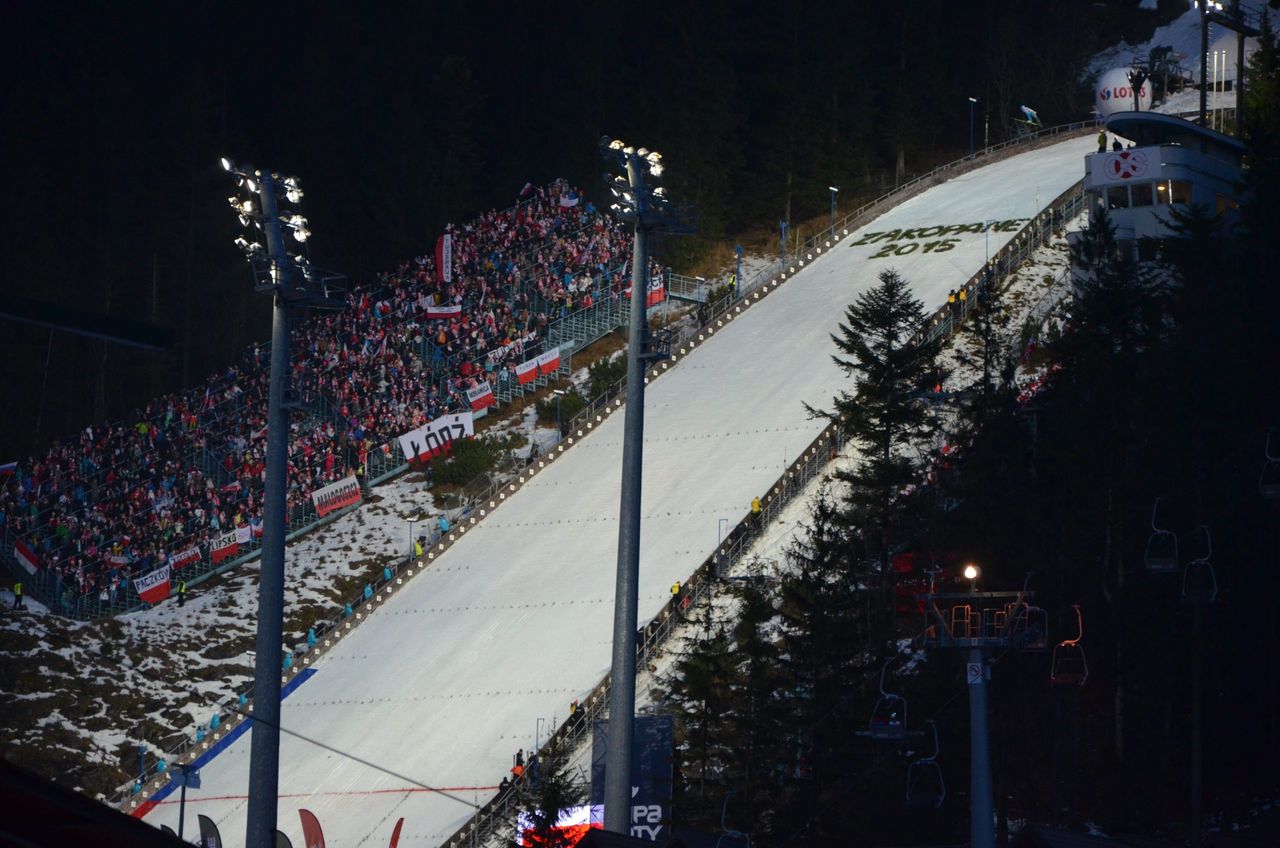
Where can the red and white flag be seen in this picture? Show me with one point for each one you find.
(527, 371)
(549, 361)
(153, 587)
(224, 546)
(655, 294)
(444, 258)
(312, 835)
(184, 558)
(481, 397)
(26, 557)
(244, 534)
(442, 311)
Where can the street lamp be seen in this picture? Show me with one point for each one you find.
(971, 573)
(782, 235)
(721, 526)
(737, 273)
(834, 191)
(293, 283)
(644, 206)
(411, 522)
(973, 101)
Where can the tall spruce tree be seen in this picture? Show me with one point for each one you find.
(886, 415)
(548, 788)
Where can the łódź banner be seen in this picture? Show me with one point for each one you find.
(431, 440)
(224, 546)
(444, 258)
(337, 495)
(182, 559)
(153, 587)
(481, 397)
(651, 774)
(549, 361)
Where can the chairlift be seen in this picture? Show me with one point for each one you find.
(1030, 628)
(926, 789)
(889, 718)
(1199, 583)
(1269, 479)
(1069, 665)
(1162, 548)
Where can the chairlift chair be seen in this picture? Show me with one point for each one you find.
(1030, 628)
(1161, 556)
(889, 718)
(1069, 665)
(1199, 582)
(926, 789)
(1269, 479)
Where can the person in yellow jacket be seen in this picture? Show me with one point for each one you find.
(756, 508)
(417, 546)
(18, 602)
(1102, 141)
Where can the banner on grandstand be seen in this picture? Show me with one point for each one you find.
(481, 397)
(549, 362)
(184, 558)
(337, 495)
(209, 836)
(431, 440)
(224, 546)
(244, 534)
(26, 557)
(657, 291)
(443, 311)
(517, 346)
(153, 587)
(444, 258)
(527, 371)
(569, 199)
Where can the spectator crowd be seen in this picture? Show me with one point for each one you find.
(121, 498)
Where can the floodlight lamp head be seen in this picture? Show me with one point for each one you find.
(971, 572)
(617, 144)
(251, 185)
(227, 164)
(660, 192)
(833, 188)
(655, 168)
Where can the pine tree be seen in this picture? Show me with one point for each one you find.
(547, 789)
(886, 415)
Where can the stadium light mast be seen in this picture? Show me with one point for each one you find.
(645, 206)
(834, 191)
(973, 101)
(293, 284)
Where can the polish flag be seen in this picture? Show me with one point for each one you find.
(454, 311)
(224, 547)
(184, 558)
(26, 557)
(481, 397)
(153, 587)
(549, 361)
(527, 372)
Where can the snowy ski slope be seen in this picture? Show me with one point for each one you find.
(444, 681)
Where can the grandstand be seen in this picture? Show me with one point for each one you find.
(445, 675)
(171, 484)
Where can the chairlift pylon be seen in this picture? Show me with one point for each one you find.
(925, 786)
(1199, 582)
(1069, 665)
(1269, 479)
(889, 718)
(1161, 556)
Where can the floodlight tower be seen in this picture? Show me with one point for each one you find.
(293, 283)
(644, 206)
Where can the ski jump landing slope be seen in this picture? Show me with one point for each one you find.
(443, 682)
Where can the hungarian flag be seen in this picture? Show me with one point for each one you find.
(527, 372)
(184, 558)
(481, 397)
(224, 546)
(26, 557)
(454, 311)
(549, 361)
(153, 587)
(444, 258)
